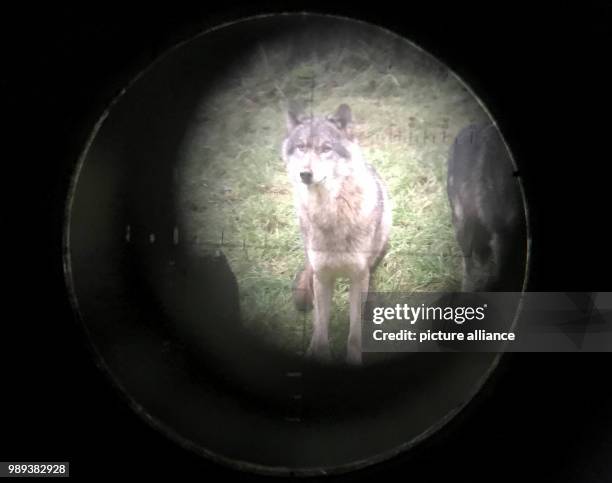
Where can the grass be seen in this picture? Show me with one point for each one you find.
(232, 182)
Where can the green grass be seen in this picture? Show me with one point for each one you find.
(232, 180)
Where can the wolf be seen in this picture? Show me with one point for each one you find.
(344, 214)
(487, 210)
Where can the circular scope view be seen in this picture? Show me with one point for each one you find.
(238, 200)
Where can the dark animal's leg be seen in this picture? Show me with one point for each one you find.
(478, 257)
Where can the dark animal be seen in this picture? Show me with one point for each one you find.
(487, 210)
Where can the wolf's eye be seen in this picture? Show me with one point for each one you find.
(326, 148)
(301, 147)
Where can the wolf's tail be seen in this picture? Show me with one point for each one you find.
(302, 289)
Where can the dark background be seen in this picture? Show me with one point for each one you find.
(543, 74)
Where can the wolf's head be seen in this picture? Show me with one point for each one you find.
(316, 150)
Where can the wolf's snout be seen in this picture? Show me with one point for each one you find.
(306, 177)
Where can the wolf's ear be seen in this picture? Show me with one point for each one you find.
(342, 117)
(295, 114)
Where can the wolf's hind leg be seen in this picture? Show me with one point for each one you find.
(302, 289)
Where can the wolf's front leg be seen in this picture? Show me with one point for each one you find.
(323, 288)
(359, 286)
